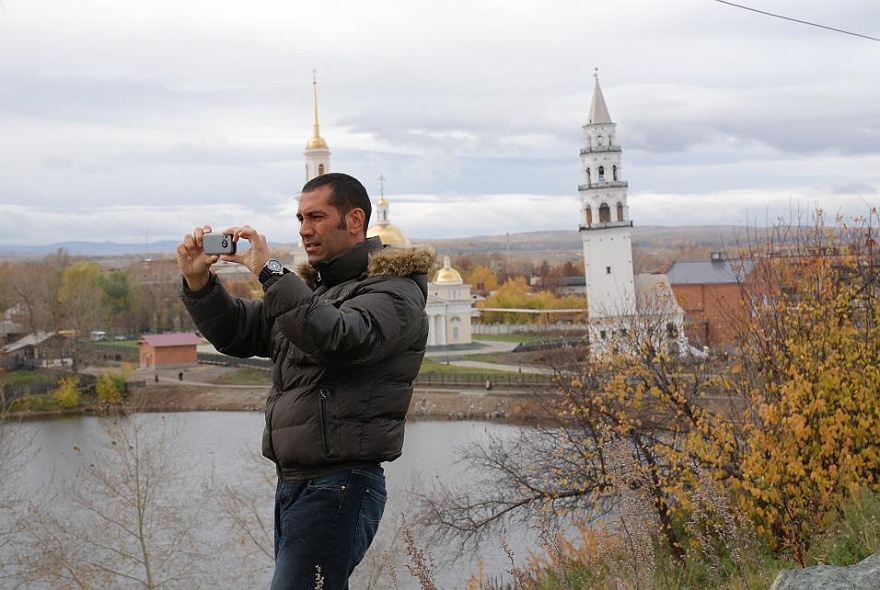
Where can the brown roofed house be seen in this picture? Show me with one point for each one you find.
(168, 350)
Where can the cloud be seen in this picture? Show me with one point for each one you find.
(147, 114)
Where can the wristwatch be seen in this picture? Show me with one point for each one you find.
(272, 268)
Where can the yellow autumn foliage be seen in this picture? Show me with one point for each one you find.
(812, 350)
(67, 393)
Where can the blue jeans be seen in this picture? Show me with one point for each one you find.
(327, 523)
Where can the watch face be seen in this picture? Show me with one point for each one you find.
(274, 265)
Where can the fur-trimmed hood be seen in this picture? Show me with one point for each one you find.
(382, 261)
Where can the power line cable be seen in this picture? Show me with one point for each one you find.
(803, 22)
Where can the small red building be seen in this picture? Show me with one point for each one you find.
(168, 350)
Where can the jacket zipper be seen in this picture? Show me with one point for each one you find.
(325, 420)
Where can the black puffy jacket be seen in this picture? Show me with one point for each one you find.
(347, 340)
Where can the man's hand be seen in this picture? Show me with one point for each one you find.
(194, 264)
(256, 256)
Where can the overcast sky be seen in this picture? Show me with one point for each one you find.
(137, 120)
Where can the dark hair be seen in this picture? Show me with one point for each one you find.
(347, 193)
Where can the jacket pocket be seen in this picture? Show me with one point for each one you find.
(268, 446)
(329, 422)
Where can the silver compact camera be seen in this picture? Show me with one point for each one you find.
(218, 244)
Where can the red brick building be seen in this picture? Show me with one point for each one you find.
(168, 350)
(710, 293)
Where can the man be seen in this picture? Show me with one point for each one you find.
(346, 340)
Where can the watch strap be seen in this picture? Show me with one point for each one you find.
(267, 273)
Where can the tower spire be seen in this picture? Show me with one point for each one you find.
(598, 110)
(316, 141)
(382, 215)
(317, 153)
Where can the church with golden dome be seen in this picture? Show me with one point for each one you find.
(449, 308)
(450, 305)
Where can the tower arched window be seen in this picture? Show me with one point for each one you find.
(589, 216)
(614, 173)
(320, 169)
(620, 212)
(604, 213)
(589, 174)
(599, 139)
(601, 173)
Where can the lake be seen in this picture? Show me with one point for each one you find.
(212, 477)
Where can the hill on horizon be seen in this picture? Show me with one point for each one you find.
(651, 240)
(548, 245)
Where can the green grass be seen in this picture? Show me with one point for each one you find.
(489, 357)
(853, 536)
(502, 338)
(509, 338)
(24, 378)
(116, 344)
(524, 338)
(245, 376)
(432, 366)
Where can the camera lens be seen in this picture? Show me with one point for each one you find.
(224, 242)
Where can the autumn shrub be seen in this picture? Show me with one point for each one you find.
(32, 403)
(67, 394)
(811, 372)
(109, 388)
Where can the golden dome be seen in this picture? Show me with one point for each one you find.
(390, 235)
(316, 142)
(447, 274)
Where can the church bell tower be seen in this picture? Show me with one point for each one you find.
(605, 226)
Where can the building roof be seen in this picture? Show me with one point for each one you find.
(32, 339)
(167, 340)
(718, 271)
(10, 328)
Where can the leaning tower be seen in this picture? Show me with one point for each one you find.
(605, 225)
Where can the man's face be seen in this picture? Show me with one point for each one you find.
(324, 232)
